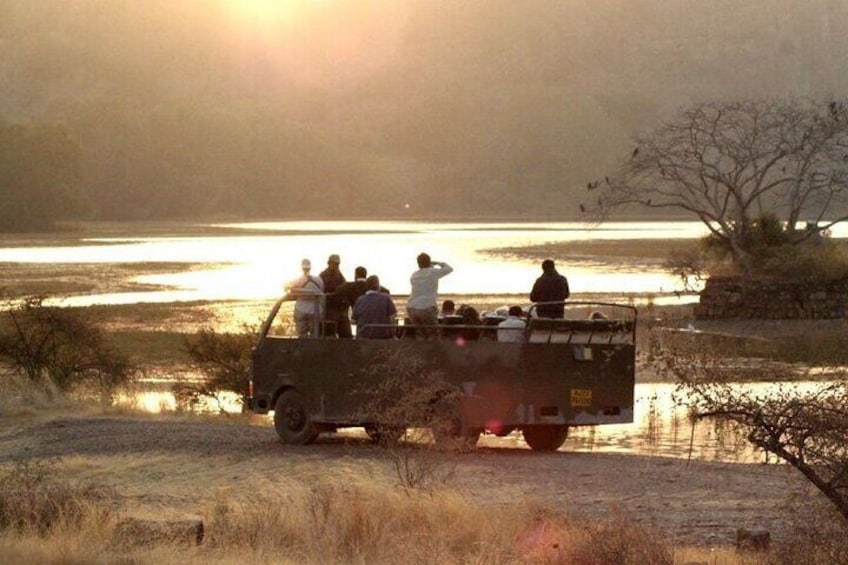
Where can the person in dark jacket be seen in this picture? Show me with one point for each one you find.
(550, 287)
(336, 309)
(374, 308)
(351, 290)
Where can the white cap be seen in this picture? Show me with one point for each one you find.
(306, 264)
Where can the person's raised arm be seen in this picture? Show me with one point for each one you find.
(444, 268)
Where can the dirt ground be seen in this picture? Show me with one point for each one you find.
(165, 465)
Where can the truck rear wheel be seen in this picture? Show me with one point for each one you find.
(545, 438)
(292, 420)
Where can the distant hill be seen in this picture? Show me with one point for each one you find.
(417, 108)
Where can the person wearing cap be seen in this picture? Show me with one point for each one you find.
(308, 307)
(550, 287)
(421, 307)
(336, 313)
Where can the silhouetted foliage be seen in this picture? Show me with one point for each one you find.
(223, 360)
(62, 346)
(804, 424)
(749, 170)
(808, 430)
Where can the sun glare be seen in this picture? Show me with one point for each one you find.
(263, 9)
(268, 12)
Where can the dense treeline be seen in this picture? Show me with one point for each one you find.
(412, 108)
(39, 177)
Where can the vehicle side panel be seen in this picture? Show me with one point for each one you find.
(502, 384)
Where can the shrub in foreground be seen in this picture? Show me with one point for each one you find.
(61, 346)
(365, 524)
(223, 360)
(33, 499)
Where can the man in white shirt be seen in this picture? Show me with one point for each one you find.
(511, 330)
(423, 298)
(308, 308)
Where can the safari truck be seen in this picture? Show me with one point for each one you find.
(572, 371)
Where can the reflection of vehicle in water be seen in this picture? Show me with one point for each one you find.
(568, 372)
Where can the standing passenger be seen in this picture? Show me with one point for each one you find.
(308, 289)
(421, 306)
(351, 290)
(550, 287)
(374, 308)
(336, 308)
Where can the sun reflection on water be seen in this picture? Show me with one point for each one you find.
(254, 266)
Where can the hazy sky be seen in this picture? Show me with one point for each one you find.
(346, 105)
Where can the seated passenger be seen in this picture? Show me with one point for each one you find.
(449, 317)
(511, 330)
(448, 308)
(374, 307)
(470, 317)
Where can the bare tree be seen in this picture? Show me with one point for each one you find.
(808, 430)
(729, 164)
(801, 422)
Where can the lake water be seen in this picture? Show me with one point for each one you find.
(253, 265)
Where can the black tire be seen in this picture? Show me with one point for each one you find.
(545, 438)
(292, 419)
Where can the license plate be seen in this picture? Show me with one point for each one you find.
(581, 397)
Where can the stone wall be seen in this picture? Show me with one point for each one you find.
(732, 297)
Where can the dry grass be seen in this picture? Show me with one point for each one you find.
(817, 535)
(323, 523)
(34, 501)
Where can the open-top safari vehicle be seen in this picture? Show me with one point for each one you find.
(572, 371)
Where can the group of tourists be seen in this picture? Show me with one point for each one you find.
(331, 298)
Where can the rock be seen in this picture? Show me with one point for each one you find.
(752, 540)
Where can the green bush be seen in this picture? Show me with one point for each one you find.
(822, 261)
(772, 252)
